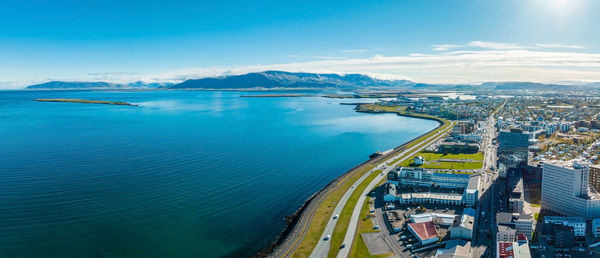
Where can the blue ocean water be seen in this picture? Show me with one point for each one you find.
(184, 174)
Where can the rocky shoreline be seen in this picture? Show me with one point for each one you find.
(295, 217)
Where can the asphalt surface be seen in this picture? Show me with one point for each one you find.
(322, 248)
(351, 230)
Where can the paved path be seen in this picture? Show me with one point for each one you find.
(351, 230)
(322, 247)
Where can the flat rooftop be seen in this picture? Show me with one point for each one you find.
(439, 196)
(571, 164)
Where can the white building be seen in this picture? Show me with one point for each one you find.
(596, 227)
(515, 223)
(505, 233)
(419, 160)
(462, 228)
(454, 248)
(577, 223)
(471, 194)
(566, 191)
(430, 198)
(466, 193)
(423, 177)
(516, 199)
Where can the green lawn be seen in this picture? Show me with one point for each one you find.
(365, 225)
(337, 237)
(431, 157)
(381, 108)
(323, 214)
(360, 250)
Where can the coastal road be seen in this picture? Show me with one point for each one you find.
(293, 239)
(322, 248)
(351, 230)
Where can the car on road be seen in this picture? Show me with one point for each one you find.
(342, 246)
(376, 227)
(336, 216)
(327, 237)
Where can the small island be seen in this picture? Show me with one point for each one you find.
(88, 101)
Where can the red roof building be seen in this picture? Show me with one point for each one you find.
(425, 232)
(505, 250)
(521, 238)
(512, 250)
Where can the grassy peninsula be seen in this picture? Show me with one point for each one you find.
(85, 101)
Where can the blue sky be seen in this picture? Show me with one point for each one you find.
(430, 41)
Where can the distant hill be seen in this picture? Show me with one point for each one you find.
(523, 86)
(279, 79)
(62, 85)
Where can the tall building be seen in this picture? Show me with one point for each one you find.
(516, 199)
(596, 227)
(514, 146)
(566, 191)
(513, 140)
(595, 177)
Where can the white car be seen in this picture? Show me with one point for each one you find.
(336, 216)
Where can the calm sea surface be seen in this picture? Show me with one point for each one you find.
(185, 174)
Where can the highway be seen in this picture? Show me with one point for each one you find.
(351, 230)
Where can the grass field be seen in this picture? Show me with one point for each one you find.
(365, 225)
(380, 108)
(344, 219)
(323, 214)
(431, 157)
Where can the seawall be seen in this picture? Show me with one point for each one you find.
(287, 235)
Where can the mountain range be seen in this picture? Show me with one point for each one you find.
(289, 80)
(63, 85)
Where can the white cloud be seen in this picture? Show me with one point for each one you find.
(475, 62)
(477, 44)
(493, 45)
(472, 66)
(559, 46)
(444, 47)
(354, 50)
(317, 57)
